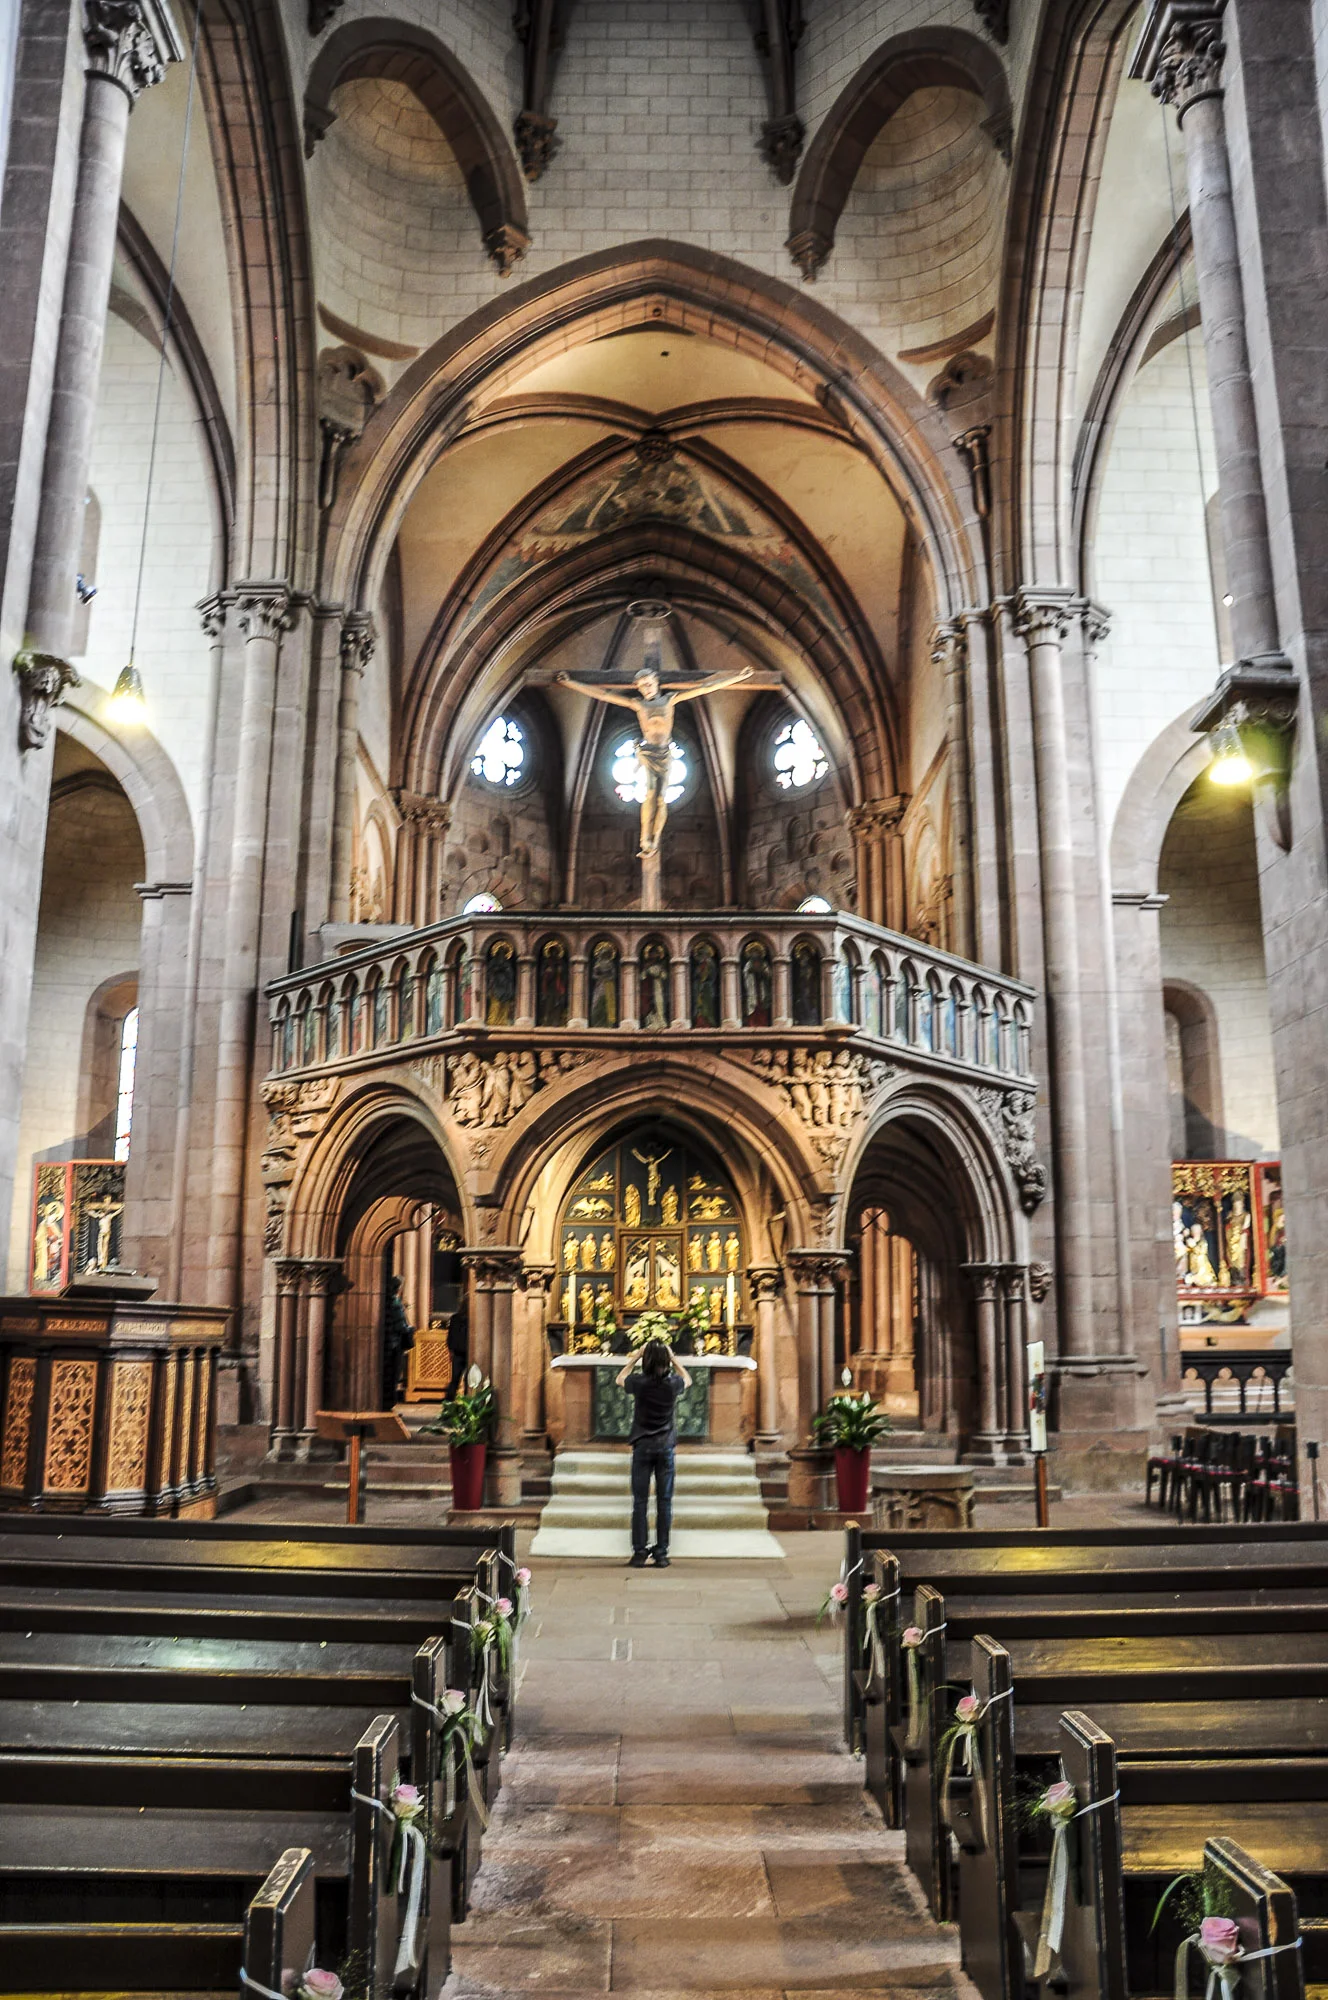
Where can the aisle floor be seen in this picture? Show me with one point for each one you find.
(679, 1815)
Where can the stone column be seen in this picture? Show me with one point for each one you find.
(538, 1279)
(989, 1444)
(679, 972)
(525, 990)
(264, 612)
(781, 1012)
(497, 1271)
(627, 989)
(766, 1282)
(1180, 53)
(577, 1016)
(129, 43)
(163, 1000)
(874, 826)
(357, 649)
(288, 1271)
(949, 651)
(730, 1010)
(417, 889)
(1042, 621)
(1014, 1302)
(324, 1282)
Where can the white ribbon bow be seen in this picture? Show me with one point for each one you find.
(410, 1877)
(1052, 1927)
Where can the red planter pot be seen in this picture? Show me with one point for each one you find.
(467, 1477)
(853, 1477)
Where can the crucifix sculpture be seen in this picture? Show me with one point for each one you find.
(653, 705)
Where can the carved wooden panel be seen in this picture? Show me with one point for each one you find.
(131, 1414)
(69, 1427)
(188, 1370)
(166, 1455)
(201, 1416)
(18, 1422)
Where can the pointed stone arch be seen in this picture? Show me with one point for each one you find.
(921, 59)
(400, 52)
(667, 286)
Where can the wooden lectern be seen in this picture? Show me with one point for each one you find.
(353, 1427)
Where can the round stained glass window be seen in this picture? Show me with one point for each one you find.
(815, 906)
(799, 759)
(482, 905)
(629, 777)
(501, 755)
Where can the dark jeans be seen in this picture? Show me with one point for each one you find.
(650, 1455)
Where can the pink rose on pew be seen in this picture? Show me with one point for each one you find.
(1059, 1801)
(453, 1702)
(319, 1985)
(505, 1607)
(407, 1801)
(871, 1593)
(912, 1635)
(1219, 1940)
(839, 1593)
(523, 1577)
(967, 1709)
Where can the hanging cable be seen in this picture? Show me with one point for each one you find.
(128, 694)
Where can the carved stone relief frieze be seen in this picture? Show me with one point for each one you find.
(828, 1092)
(296, 1113)
(486, 1092)
(1010, 1115)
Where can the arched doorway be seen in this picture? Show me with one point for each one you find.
(400, 1218)
(934, 1318)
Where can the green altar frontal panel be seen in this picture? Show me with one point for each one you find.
(612, 1406)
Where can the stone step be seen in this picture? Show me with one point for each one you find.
(575, 1512)
(992, 1496)
(411, 1492)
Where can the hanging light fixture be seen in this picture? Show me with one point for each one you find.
(128, 703)
(1230, 765)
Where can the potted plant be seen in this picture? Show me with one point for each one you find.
(851, 1425)
(466, 1423)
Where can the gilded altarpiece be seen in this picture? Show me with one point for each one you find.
(1229, 1234)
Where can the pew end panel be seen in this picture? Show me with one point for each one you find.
(926, 1837)
(279, 1925)
(372, 1913)
(1265, 1908)
(1092, 1955)
(883, 1707)
(854, 1679)
(985, 1831)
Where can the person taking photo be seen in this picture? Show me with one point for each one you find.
(654, 1384)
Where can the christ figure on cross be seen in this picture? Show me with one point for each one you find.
(653, 706)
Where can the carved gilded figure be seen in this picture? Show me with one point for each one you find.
(714, 1251)
(669, 1206)
(631, 1206)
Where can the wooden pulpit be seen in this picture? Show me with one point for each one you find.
(353, 1427)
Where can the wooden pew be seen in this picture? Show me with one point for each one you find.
(1168, 1804)
(67, 1702)
(1099, 1960)
(280, 1935)
(1110, 1609)
(1170, 1578)
(156, 1957)
(81, 1876)
(1160, 1706)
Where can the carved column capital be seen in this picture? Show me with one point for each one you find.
(129, 42)
(766, 1281)
(431, 815)
(42, 680)
(496, 1267)
(1181, 50)
(212, 615)
(506, 244)
(949, 644)
(359, 641)
(538, 1279)
(265, 610)
(289, 1271)
(876, 816)
(983, 1278)
(1042, 617)
(1096, 622)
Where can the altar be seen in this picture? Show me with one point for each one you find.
(718, 1408)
